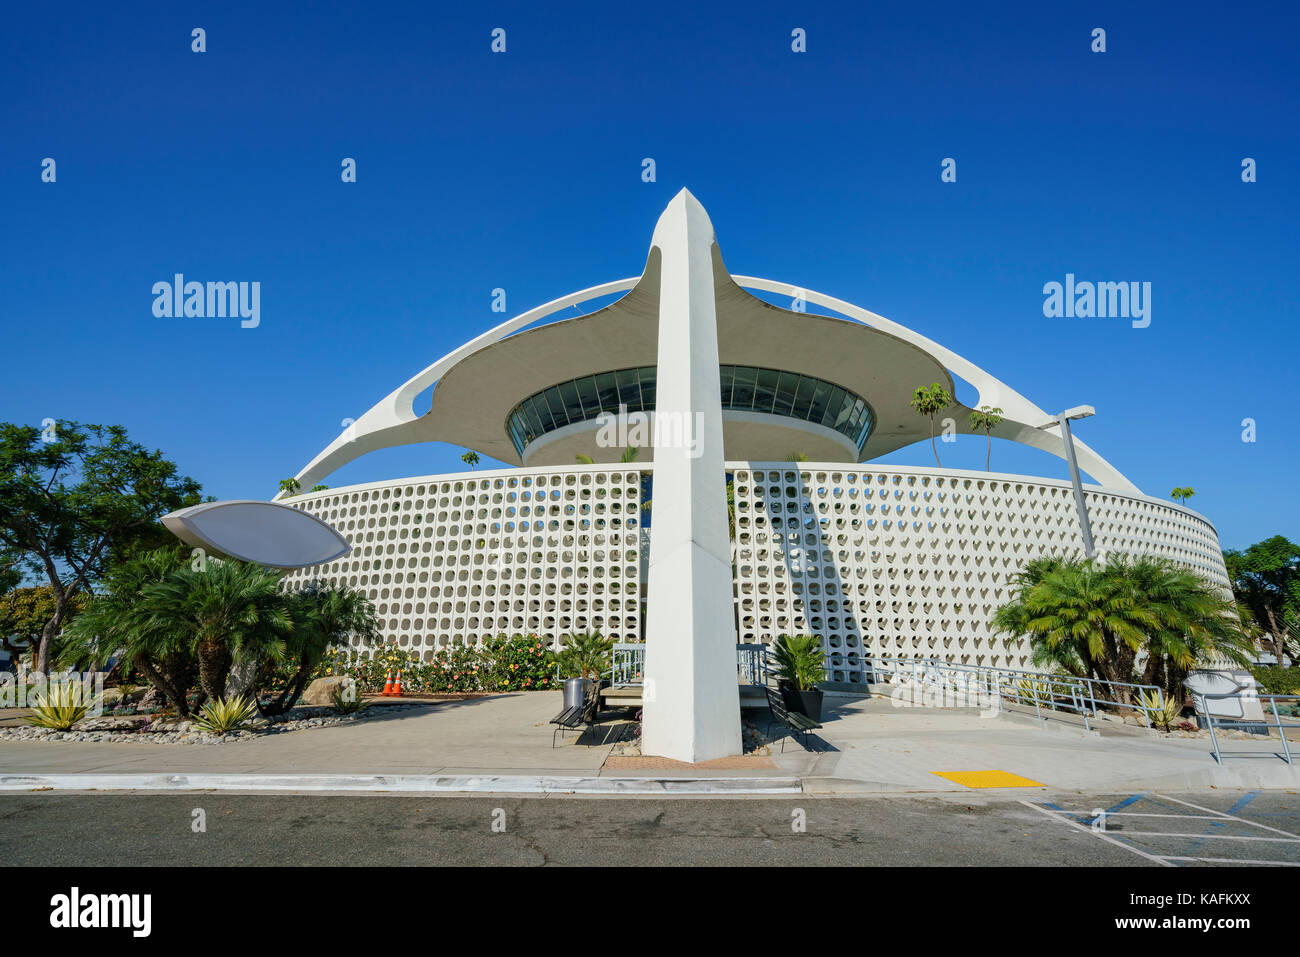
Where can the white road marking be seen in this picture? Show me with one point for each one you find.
(1231, 817)
(1210, 837)
(1236, 860)
(1056, 816)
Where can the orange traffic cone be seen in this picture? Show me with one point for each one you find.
(388, 685)
(397, 688)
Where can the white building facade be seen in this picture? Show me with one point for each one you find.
(891, 561)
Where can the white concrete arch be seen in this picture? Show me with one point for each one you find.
(393, 420)
(1020, 417)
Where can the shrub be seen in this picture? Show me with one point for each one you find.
(1275, 680)
(517, 663)
(500, 663)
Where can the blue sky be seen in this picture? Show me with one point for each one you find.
(522, 171)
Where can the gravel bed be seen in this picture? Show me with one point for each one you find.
(184, 732)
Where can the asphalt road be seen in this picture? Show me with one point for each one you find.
(968, 830)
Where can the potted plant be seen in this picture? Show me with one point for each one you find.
(800, 666)
(585, 658)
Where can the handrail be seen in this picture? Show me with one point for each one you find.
(1053, 692)
(1244, 723)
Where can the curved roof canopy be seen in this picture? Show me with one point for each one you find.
(478, 386)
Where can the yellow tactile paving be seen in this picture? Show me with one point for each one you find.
(989, 779)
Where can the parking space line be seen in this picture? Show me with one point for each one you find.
(1235, 860)
(1063, 817)
(1232, 817)
(1211, 837)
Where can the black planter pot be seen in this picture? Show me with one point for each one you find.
(807, 703)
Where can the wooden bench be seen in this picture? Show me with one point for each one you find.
(796, 723)
(586, 714)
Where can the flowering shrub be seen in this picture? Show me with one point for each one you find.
(517, 663)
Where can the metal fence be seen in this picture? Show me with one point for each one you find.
(977, 683)
(1222, 722)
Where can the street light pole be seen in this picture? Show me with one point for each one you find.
(1067, 437)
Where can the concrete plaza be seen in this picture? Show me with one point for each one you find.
(503, 743)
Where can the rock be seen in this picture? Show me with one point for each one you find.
(321, 691)
(124, 722)
(172, 724)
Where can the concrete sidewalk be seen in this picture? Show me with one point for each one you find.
(878, 748)
(503, 743)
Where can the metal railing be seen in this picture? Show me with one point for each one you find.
(627, 665)
(1226, 723)
(1082, 696)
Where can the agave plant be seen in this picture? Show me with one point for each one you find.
(348, 701)
(1035, 691)
(1157, 712)
(59, 708)
(800, 661)
(224, 715)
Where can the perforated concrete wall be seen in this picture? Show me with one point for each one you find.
(455, 559)
(912, 562)
(895, 561)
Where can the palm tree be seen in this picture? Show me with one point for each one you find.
(583, 459)
(232, 610)
(1196, 624)
(323, 615)
(118, 620)
(796, 457)
(1091, 620)
(985, 420)
(290, 486)
(930, 401)
(470, 458)
(630, 454)
(585, 656)
(1182, 494)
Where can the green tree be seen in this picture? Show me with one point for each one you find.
(120, 619)
(1095, 620)
(319, 488)
(1182, 494)
(290, 486)
(583, 459)
(929, 401)
(470, 458)
(796, 457)
(230, 610)
(73, 498)
(985, 420)
(23, 614)
(324, 615)
(630, 454)
(1266, 579)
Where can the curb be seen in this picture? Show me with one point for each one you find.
(405, 783)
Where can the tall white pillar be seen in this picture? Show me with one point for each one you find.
(691, 693)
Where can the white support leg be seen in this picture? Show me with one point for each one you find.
(691, 694)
